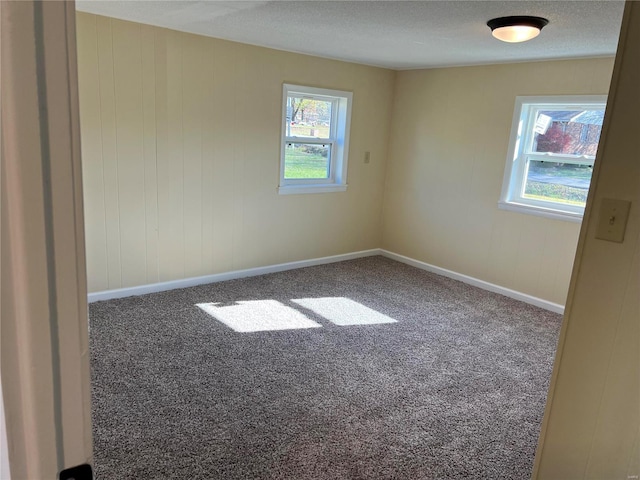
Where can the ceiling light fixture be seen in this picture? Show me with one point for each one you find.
(516, 29)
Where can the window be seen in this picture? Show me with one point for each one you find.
(551, 152)
(315, 140)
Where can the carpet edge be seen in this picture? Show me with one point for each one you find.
(281, 267)
(476, 282)
(221, 277)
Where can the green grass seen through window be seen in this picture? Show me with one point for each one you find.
(300, 163)
(556, 193)
(558, 182)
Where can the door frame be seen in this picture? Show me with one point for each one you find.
(44, 330)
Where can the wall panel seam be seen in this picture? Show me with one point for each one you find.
(104, 187)
(117, 156)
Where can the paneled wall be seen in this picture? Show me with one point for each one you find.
(181, 145)
(592, 421)
(449, 139)
(181, 138)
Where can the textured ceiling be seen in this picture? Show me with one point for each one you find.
(393, 34)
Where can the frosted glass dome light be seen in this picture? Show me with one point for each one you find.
(516, 29)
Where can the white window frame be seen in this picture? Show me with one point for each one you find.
(338, 142)
(521, 139)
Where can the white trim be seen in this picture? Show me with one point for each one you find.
(523, 297)
(338, 138)
(540, 211)
(5, 472)
(252, 272)
(520, 141)
(221, 277)
(311, 188)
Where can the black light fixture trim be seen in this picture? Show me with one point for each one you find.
(536, 22)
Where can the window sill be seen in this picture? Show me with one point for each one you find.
(540, 211)
(316, 188)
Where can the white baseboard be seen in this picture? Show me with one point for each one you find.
(523, 297)
(221, 277)
(252, 272)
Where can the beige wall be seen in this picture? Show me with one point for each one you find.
(181, 145)
(592, 422)
(449, 139)
(181, 137)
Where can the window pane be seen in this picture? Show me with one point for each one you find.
(308, 117)
(572, 132)
(303, 160)
(558, 182)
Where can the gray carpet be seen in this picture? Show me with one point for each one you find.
(453, 385)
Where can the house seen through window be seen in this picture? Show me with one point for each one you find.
(553, 145)
(315, 139)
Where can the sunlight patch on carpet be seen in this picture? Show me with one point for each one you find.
(258, 316)
(343, 311)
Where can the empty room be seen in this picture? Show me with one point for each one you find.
(321, 240)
